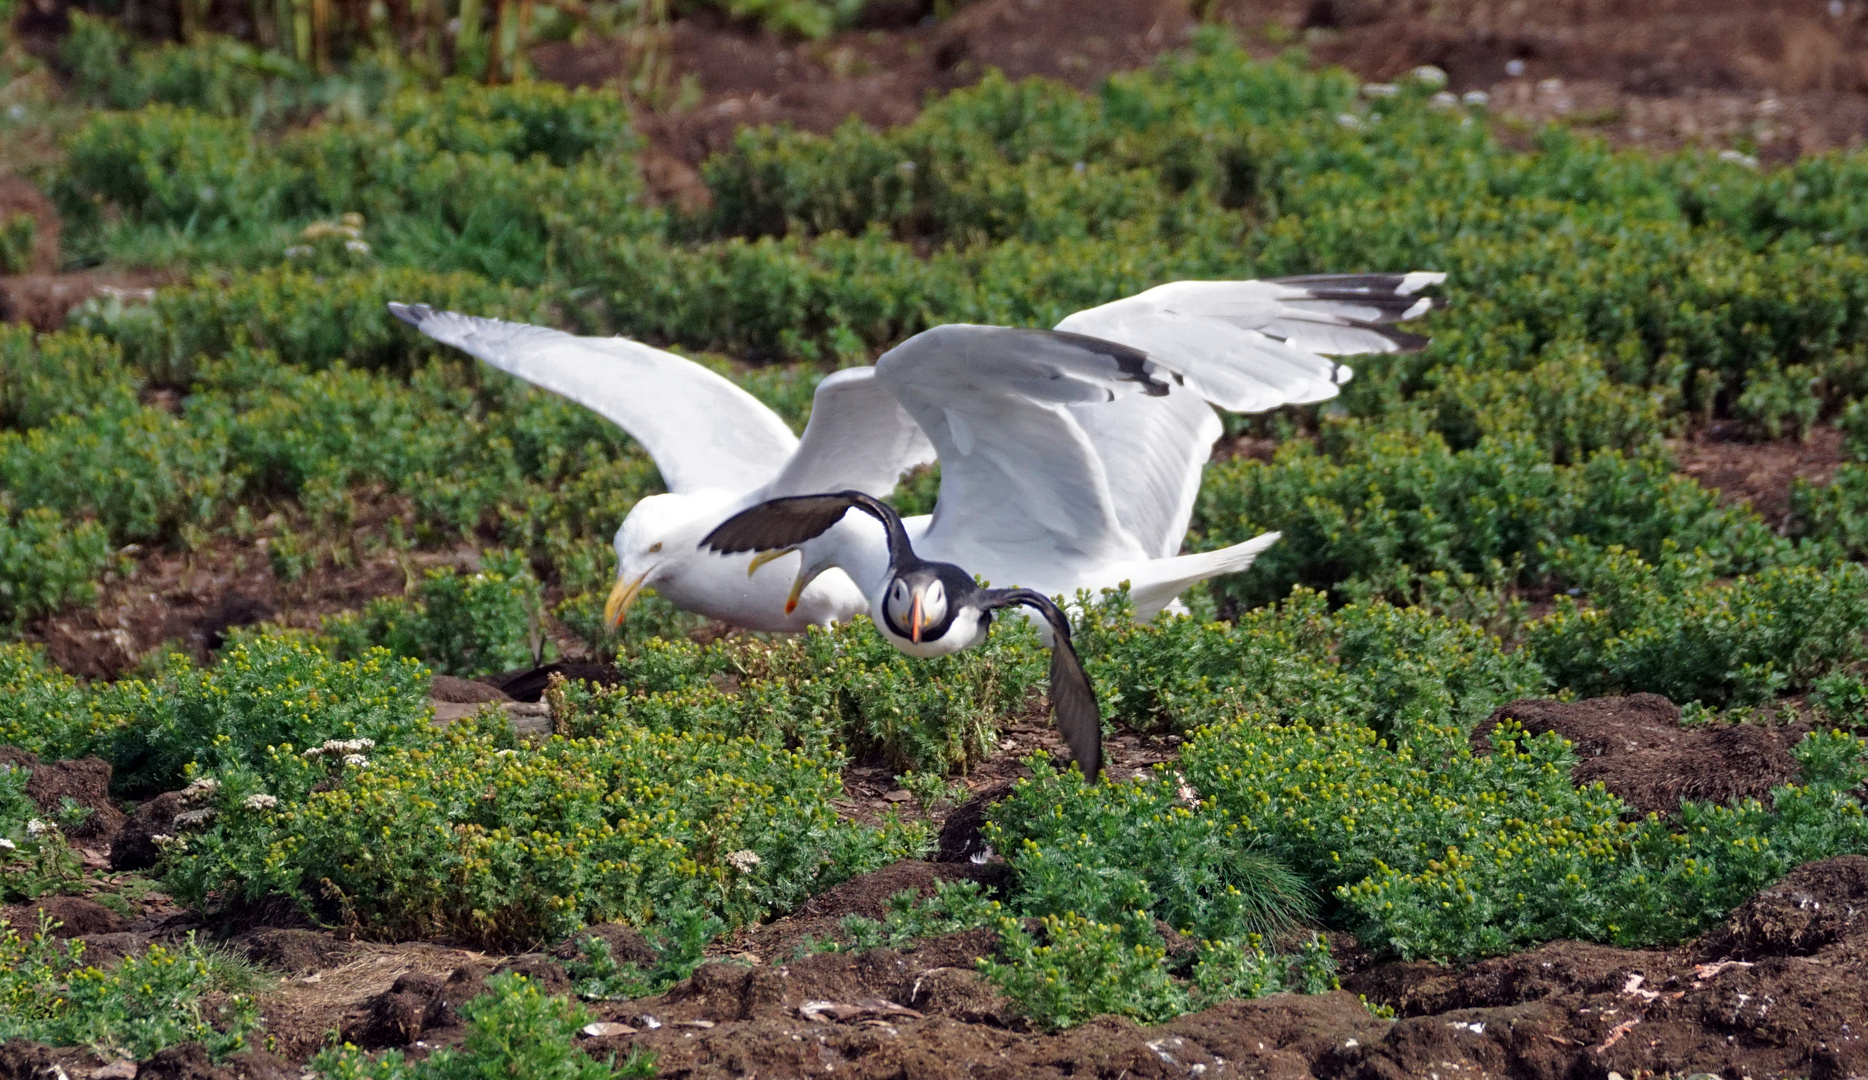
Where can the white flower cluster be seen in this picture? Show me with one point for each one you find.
(202, 788)
(348, 747)
(744, 861)
(261, 802)
(7, 845)
(165, 842)
(36, 828)
(191, 818)
(349, 227)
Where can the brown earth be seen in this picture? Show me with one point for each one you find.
(1637, 749)
(85, 781)
(190, 599)
(1723, 457)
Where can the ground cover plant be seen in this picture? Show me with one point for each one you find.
(1497, 517)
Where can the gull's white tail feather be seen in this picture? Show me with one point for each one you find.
(1154, 584)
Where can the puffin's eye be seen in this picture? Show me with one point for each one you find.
(655, 547)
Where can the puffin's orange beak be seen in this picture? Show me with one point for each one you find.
(914, 620)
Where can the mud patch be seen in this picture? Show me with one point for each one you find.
(190, 1061)
(1785, 79)
(751, 77)
(19, 197)
(1759, 473)
(1637, 749)
(43, 300)
(189, 600)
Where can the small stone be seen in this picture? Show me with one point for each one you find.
(116, 1070)
(701, 1024)
(898, 795)
(603, 1029)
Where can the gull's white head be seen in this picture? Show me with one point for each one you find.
(650, 546)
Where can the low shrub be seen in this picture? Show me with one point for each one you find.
(464, 623)
(514, 1029)
(498, 842)
(146, 1002)
(1669, 627)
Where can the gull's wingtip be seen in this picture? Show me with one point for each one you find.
(413, 314)
(1416, 280)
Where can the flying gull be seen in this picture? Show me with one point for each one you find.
(997, 402)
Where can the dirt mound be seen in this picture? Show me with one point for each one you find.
(464, 691)
(190, 1061)
(627, 944)
(1637, 749)
(135, 845)
(75, 915)
(23, 1060)
(298, 952)
(85, 780)
(421, 1004)
(1817, 905)
(821, 917)
(960, 835)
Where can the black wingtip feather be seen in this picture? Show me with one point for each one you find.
(413, 314)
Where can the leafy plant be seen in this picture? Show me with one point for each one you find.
(514, 1029)
(144, 1003)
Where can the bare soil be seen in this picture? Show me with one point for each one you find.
(1723, 457)
(1637, 749)
(188, 600)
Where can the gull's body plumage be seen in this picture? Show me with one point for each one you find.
(1070, 458)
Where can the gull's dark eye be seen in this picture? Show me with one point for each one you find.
(655, 547)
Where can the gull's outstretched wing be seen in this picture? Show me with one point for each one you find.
(859, 437)
(702, 431)
(1021, 483)
(1244, 345)
(1152, 450)
(1073, 699)
(1250, 346)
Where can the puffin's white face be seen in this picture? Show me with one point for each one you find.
(916, 606)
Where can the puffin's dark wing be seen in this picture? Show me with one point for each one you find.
(1073, 699)
(793, 519)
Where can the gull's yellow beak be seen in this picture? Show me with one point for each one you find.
(623, 595)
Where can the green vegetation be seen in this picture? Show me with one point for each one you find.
(266, 411)
(142, 1004)
(514, 1029)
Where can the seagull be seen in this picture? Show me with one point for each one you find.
(1096, 431)
(927, 608)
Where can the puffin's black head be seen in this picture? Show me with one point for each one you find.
(921, 602)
